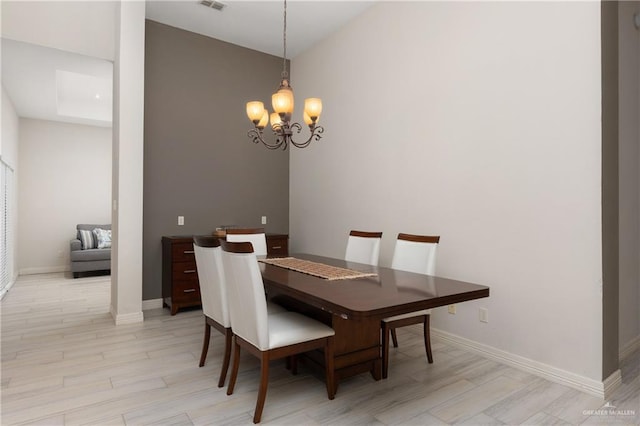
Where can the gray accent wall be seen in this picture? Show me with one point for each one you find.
(610, 189)
(198, 161)
(629, 176)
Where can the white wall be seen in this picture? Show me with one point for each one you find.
(629, 155)
(479, 122)
(9, 140)
(9, 154)
(85, 27)
(64, 179)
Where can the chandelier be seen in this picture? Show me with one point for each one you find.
(282, 102)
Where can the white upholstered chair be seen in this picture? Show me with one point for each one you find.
(268, 336)
(214, 297)
(255, 236)
(413, 253)
(363, 247)
(213, 293)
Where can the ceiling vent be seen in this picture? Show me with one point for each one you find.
(213, 4)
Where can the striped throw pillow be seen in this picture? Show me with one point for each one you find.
(88, 239)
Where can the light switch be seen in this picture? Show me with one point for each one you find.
(483, 314)
(180, 220)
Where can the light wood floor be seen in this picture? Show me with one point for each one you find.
(65, 362)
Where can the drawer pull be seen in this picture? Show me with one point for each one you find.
(190, 271)
(189, 252)
(190, 290)
(276, 247)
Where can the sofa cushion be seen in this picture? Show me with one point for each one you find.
(103, 236)
(90, 255)
(88, 239)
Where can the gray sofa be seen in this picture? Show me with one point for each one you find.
(88, 260)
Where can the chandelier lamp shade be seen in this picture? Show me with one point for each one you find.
(282, 102)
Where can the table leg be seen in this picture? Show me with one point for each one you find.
(357, 341)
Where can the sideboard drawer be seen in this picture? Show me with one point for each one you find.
(277, 245)
(186, 292)
(183, 252)
(185, 271)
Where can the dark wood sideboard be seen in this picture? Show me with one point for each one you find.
(180, 288)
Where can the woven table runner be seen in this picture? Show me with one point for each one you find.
(316, 269)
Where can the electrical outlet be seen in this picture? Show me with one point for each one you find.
(180, 220)
(264, 220)
(452, 309)
(483, 314)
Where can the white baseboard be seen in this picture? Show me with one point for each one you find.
(629, 348)
(132, 318)
(593, 387)
(44, 270)
(151, 304)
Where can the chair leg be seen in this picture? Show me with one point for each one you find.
(234, 371)
(385, 349)
(264, 382)
(227, 356)
(205, 343)
(394, 337)
(427, 338)
(330, 368)
(291, 363)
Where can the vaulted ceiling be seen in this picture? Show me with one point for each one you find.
(52, 70)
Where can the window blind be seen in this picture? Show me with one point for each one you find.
(6, 237)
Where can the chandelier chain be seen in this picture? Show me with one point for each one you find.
(284, 42)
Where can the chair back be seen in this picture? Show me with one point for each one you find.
(246, 293)
(415, 253)
(255, 236)
(363, 247)
(213, 291)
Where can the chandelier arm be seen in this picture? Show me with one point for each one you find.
(281, 138)
(282, 141)
(316, 133)
(256, 136)
(296, 126)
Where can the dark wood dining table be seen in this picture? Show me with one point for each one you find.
(355, 307)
